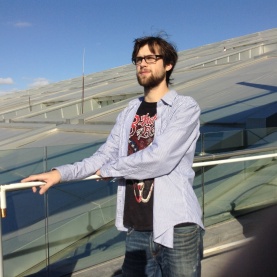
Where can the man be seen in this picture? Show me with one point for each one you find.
(151, 150)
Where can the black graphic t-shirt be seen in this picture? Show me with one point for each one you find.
(138, 209)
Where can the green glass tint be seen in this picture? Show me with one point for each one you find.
(72, 226)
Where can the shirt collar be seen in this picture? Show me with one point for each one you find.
(169, 97)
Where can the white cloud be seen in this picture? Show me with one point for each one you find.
(39, 82)
(3, 92)
(22, 24)
(6, 81)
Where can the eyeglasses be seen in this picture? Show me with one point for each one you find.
(148, 59)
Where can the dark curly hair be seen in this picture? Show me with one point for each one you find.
(166, 49)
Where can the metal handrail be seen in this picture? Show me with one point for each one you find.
(233, 160)
(211, 157)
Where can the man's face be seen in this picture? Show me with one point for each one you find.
(150, 75)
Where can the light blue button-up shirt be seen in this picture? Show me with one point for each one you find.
(168, 160)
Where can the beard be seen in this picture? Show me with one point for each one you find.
(152, 81)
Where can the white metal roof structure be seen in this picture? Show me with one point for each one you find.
(234, 81)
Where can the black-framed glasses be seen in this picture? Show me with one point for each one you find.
(148, 59)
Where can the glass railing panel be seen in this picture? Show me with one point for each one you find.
(25, 220)
(236, 188)
(260, 186)
(73, 225)
(25, 226)
(19, 163)
(81, 230)
(23, 233)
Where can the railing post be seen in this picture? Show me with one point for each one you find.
(1, 251)
(202, 153)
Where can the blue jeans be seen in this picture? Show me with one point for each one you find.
(144, 257)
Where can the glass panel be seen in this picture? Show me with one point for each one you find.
(19, 163)
(73, 225)
(80, 230)
(81, 226)
(23, 229)
(236, 188)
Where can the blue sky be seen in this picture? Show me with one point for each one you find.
(42, 41)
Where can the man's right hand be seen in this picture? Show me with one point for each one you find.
(50, 178)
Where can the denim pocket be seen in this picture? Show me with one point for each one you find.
(186, 230)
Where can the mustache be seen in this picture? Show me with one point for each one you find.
(144, 70)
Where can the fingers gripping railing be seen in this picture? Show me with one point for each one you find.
(20, 186)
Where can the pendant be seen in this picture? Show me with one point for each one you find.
(140, 187)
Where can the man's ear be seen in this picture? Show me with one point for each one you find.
(168, 67)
